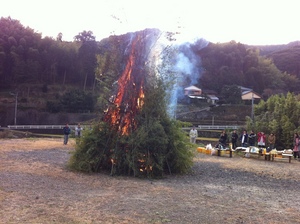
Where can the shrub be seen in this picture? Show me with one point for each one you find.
(150, 151)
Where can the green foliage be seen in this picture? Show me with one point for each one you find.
(270, 74)
(26, 57)
(87, 56)
(288, 58)
(291, 81)
(232, 64)
(231, 94)
(73, 101)
(150, 151)
(54, 106)
(279, 114)
(76, 101)
(85, 36)
(162, 140)
(156, 147)
(94, 151)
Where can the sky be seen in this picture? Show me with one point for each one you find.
(253, 22)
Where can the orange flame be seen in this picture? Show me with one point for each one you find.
(129, 99)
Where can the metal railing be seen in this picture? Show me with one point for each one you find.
(201, 127)
(39, 126)
(219, 127)
(216, 127)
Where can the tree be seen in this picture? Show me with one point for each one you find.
(234, 64)
(85, 36)
(87, 57)
(279, 114)
(16, 42)
(59, 37)
(231, 94)
(77, 101)
(288, 59)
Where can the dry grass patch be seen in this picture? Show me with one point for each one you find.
(33, 144)
(36, 187)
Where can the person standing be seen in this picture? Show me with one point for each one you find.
(271, 141)
(234, 138)
(78, 131)
(193, 135)
(66, 131)
(296, 144)
(251, 137)
(244, 139)
(223, 139)
(261, 139)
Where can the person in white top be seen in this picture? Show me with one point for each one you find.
(193, 135)
(78, 131)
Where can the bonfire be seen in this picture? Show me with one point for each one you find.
(136, 135)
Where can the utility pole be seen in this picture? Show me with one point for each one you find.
(252, 109)
(16, 106)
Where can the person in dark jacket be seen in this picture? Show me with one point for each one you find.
(66, 131)
(234, 138)
(223, 139)
(251, 137)
(244, 139)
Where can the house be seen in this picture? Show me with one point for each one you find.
(249, 95)
(212, 99)
(192, 91)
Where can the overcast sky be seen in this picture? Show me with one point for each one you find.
(249, 22)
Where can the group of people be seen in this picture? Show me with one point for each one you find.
(250, 139)
(67, 132)
(245, 139)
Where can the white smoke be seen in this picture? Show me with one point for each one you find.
(188, 70)
(183, 67)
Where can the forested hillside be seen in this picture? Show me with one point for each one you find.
(25, 57)
(288, 59)
(285, 57)
(34, 66)
(236, 64)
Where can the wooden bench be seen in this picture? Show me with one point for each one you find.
(267, 156)
(224, 150)
(283, 155)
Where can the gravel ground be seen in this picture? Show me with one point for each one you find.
(36, 187)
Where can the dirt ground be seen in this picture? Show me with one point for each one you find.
(36, 187)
